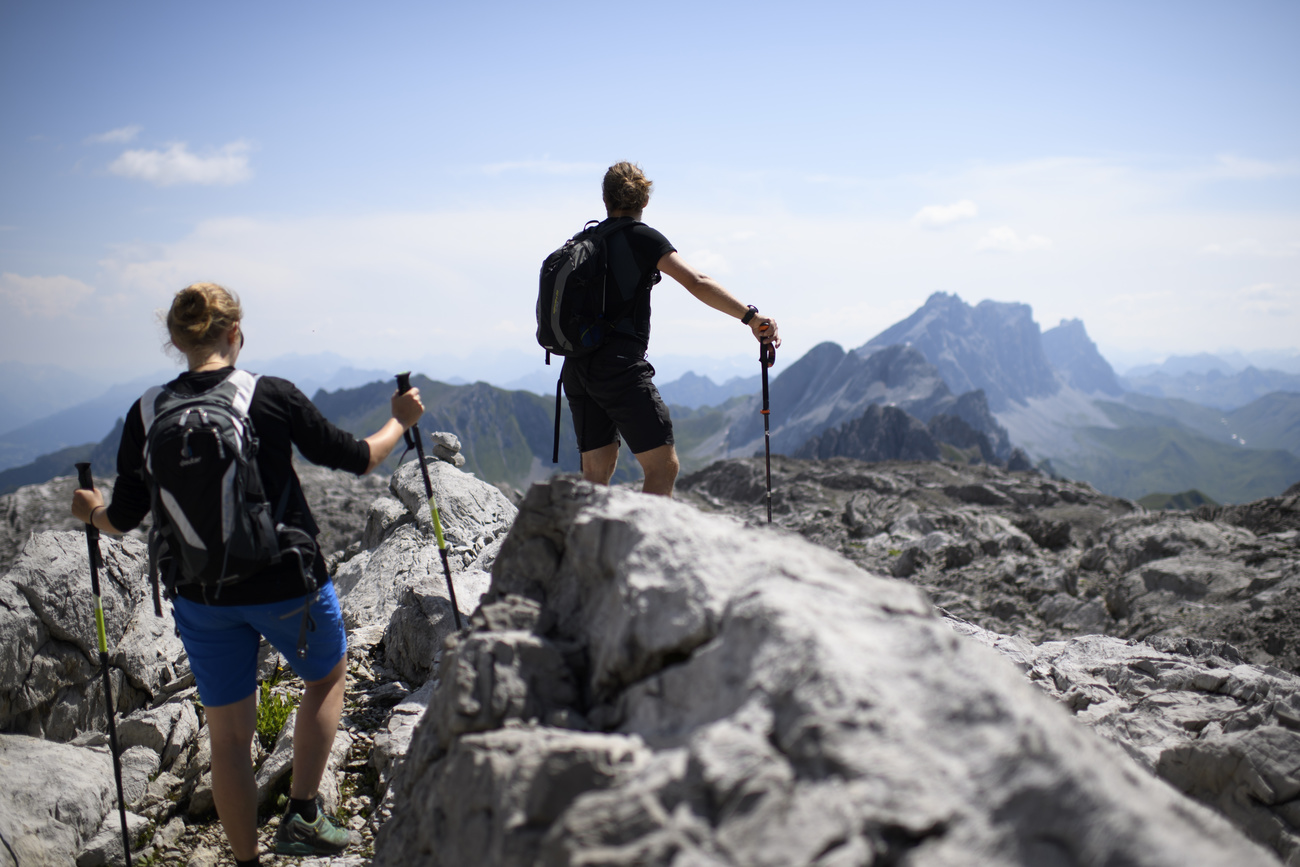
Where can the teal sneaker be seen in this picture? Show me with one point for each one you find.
(297, 836)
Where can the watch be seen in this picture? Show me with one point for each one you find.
(753, 311)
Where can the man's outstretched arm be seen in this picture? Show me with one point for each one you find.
(712, 293)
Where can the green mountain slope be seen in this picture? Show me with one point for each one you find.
(506, 436)
(1136, 460)
(1270, 422)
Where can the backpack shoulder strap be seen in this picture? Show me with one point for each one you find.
(149, 407)
(245, 384)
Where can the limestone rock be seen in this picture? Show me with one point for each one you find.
(472, 512)
(49, 656)
(423, 620)
(37, 508)
(1191, 711)
(394, 741)
(385, 515)
(446, 447)
(53, 798)
(475, 517)
(762, 702)
(106, 846)
(338, 501)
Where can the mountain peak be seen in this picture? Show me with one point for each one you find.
(1072, 352)
(995, 346)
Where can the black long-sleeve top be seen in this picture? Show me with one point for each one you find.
(282, 417)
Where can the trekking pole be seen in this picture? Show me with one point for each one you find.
(403, 386)
(86, 481)
(767, 358)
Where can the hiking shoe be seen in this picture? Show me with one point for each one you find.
(297, 836)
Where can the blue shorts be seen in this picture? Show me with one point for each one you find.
(222, 642)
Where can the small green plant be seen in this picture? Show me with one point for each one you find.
(895, 552)
(273, 709)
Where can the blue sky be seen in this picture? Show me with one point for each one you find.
(383, 180)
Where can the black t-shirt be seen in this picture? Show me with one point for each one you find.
(633, 256)
(282, 417)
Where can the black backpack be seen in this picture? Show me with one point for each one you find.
(212, 524)
(574, 312)
(574, 316)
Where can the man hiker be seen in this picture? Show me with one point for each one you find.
(611, 391)
(289, 600)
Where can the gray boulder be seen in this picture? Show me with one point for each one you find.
(423, 620)
(53, 799)
(106, 846)
(49, 656)
(475, 517)
(473, 513)
(759, 701)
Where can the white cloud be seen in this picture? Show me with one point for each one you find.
(177, 165)
(42, 296)
(934, 216)
(1253, 247)
(1269, 299)
(121, 135)
(545, 167)
(1249, 169)
(1004, 239)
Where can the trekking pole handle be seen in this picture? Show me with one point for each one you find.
(766, 351)
(404, 382)
(85, 480)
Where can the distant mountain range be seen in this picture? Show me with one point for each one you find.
(975, 382)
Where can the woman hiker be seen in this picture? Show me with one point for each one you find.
(221, 630)
(611, 392)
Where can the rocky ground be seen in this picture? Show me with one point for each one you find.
(1039, 569)
(1022, 554)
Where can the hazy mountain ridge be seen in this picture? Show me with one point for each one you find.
(1214, 388)
(1060, 400)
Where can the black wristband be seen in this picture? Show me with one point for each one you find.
(753, 311)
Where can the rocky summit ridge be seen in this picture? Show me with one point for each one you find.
(919, 662)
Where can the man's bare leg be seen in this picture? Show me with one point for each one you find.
(598, 464)
(660, 466)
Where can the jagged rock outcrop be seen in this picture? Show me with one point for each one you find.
(50, 683)
(829, 387)
(1071, 351)
(749, 699)
(994, 346)
(403, 567)
(957, 433)
(882, 433)
(49, 660)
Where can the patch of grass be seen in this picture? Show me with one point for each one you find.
(273, 709)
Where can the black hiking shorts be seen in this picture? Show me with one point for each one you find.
(611, 393)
